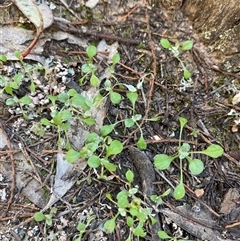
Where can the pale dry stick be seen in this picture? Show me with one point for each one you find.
(161, 174)
(69, 9)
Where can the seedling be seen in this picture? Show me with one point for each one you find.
(95, 143)
(196, 166)
(39, 216)
(163, 235)
(25, 100)
(132, 209)
(89, 68)
(82, 227)
(177, 50)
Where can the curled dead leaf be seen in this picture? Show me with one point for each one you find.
(236, 99)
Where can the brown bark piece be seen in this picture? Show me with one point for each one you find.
(217, 24)
(212, 18)
(230, 200)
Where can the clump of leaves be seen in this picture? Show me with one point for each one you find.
(177, 49)
(39, 216)
(93, 150)
(132, 208)
(72, 105)
(196, 166)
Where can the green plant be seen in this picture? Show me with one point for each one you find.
(82, 227)
(89, 68)
(39, 216)
(132, 209)
(164, 235)
(177, 50)
(97, 151)
(163, 161)
(65, 107)
(12, 84)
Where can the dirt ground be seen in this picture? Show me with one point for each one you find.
(210, 209)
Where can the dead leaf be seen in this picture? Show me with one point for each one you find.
(25, 183)
(61, 186)
(199, 192)
(236, 99)
(15, 38)
(41, 16)
(230, 200)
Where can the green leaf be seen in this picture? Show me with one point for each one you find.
(138, 231)
(89, 121)
(93, 137)
(163, 235)
(81, 227)
(130, 88)
(166, 193)
(184, 150)
(17, 78)
(141, 143)
(72, 92)
(106, 129)
(63, 97)
(3, 58)
(165, 43)
(9, 90)
(132, 96)
(10, 101)
(39, 216)
(66, 115)
(32, 87)
(107, 84)
(129, 122)
(115, 147)
(65, 126)
(80, 101)
(86, 68)
(91, 51)
(115, 97)
(129, 176)
(133, 191)
(72, 155)
(94, 161)
(187, 45)
(183, 121)
(108, 196)
(195, 166)
(156, 199)
(122, 212)
(130, 221)
(213, 151)
(115, 58)
(136, 117)
(122, 199)
(45, 122)
(186, 73)
(109, 166)
(52, 98)
(163, 161)
(53, 210)
(57, 120)
(48, 219)
(14, 85)
(94, 80)
(110, 225)
(179, 191)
